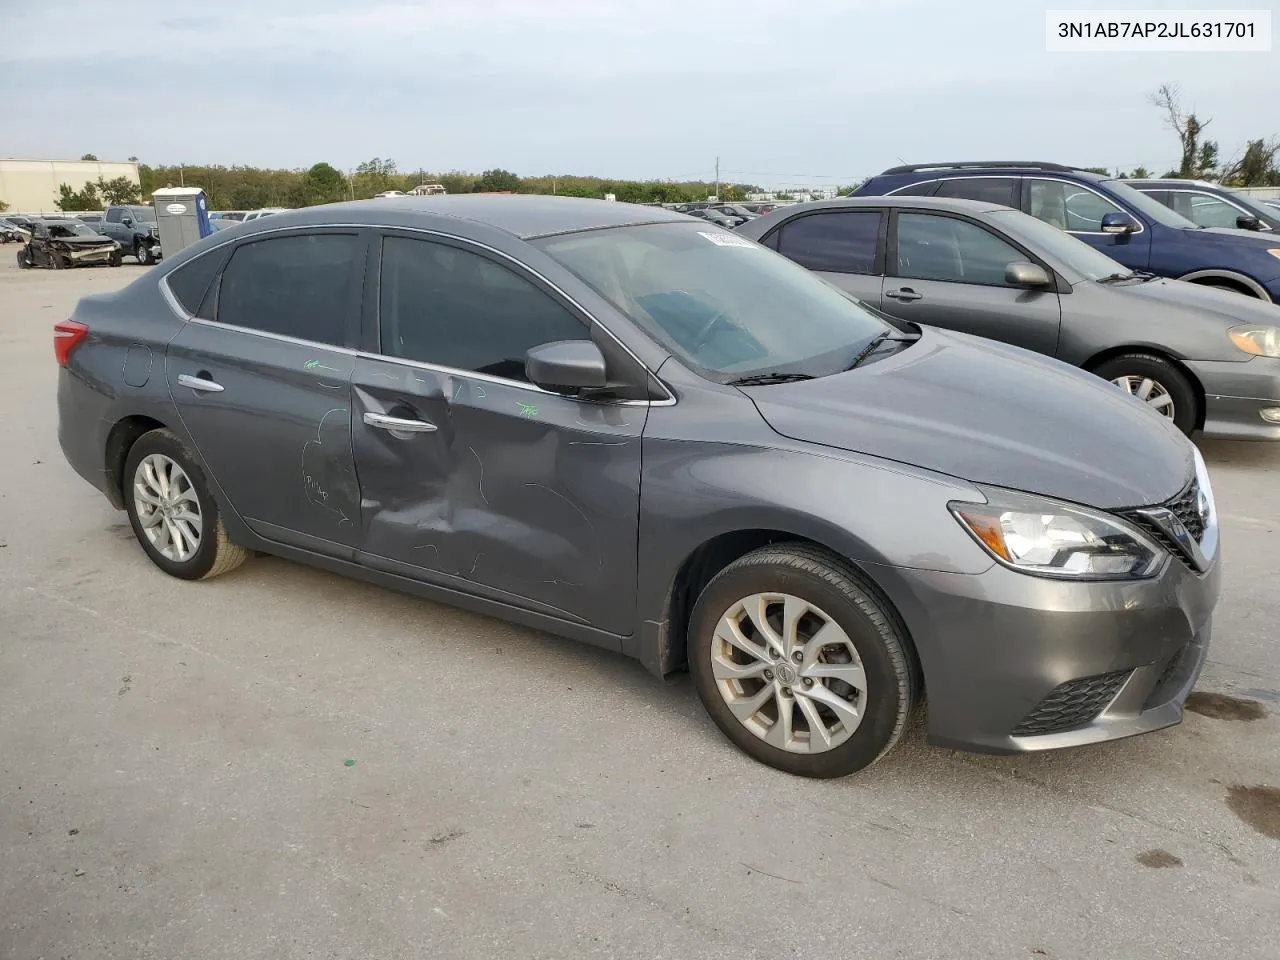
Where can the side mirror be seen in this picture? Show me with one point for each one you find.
(1024, 274)
(1118, 223)
(566, 365)
(127, 221)
(1246, 222)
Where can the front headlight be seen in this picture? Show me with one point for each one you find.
(1259, 341)
(1053, 539)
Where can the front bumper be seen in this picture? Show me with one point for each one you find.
(1235, 396)
(1015, 663)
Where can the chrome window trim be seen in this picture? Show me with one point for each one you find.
(1024, 176)
(182, 314)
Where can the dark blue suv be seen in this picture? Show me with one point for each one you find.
(1127, 225)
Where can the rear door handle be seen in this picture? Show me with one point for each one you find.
(202, 384)
(397, 424)
(905, 294)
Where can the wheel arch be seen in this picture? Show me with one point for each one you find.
(122, 436)
(1228, 278)
(701, 564)
(1160, 353)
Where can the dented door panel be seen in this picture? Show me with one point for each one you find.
(516, 493)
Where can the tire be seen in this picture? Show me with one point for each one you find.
(1135, 369)
(214, 553)
(115, 259)
(142, 251)
(876, 642)
(24, 263)
(1229, 288)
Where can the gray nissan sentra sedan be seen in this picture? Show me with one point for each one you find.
(620, 425)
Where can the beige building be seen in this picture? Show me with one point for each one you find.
(31, 186)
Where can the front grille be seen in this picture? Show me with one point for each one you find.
(1186, 507)
(1072, 705)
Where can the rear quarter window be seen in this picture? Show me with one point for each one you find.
(190, 283)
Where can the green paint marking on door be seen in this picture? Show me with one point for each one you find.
(317, 365)
(528, 410)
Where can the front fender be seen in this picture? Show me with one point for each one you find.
(873, 513)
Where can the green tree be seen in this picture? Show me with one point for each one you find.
(498, 180)
(1256, 166)
(1139, 173)
(119, 190)
(88, 156)
(3, 206)
(85, 199)
(323, 183)
(374, 176)
(1199, 157)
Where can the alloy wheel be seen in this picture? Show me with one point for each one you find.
(168, 508)
(1151, 392)
(789, 673)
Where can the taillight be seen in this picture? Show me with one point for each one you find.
(67, 335)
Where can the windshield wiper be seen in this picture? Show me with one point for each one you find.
(876, 341)
(1117, 277)
(762, 379)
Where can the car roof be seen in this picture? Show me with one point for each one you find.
(1173, 182)
(970, 168)
(952, 204)
(521, 215)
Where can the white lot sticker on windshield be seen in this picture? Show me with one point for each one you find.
(726, 239)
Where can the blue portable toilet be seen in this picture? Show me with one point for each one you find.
(182, 217)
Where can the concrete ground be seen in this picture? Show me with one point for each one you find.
(282, 763)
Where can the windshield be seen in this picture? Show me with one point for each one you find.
(724, 304)
(1148, 206)
(71, 230)
(1052, 243)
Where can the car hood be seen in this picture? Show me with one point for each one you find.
(1231, 235)
(992, 414)
(82, 241)
(1224, 308)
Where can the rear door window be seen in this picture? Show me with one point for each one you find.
(1001, 190)
(840, 242)
(297, 286)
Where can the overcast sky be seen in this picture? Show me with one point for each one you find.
(820, 91)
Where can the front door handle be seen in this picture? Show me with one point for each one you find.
(905, 294)
(201, 383)
(397, 424)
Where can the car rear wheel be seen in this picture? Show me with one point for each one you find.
(800, 664)
(172, 512)
(1156, 382)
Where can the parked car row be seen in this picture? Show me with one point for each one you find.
(637, 429)
(1203, 357)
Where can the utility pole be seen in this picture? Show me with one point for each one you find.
(717, 178)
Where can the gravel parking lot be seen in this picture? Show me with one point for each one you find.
(282, 763)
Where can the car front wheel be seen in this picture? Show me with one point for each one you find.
(172, 512)
(142, 251)
(1157, 383)
(800, 664)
